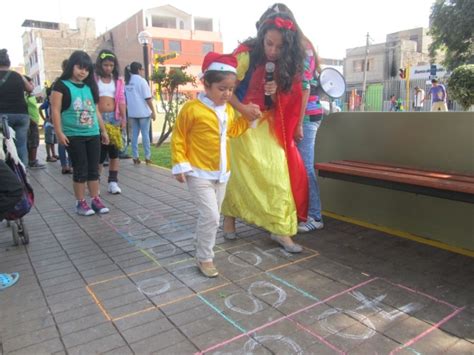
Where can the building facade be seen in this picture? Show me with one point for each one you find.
(408, 49)
(402, 49)
(47, 44)
(172, 31)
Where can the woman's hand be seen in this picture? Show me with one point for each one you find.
(252, 112)
(104, 138)
(180, 177)
(62, 139)
(270, 87)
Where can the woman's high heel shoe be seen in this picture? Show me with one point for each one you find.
(289, 247)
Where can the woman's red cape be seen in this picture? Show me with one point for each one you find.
(287, 115)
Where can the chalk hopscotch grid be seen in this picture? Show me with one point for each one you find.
(166, 267)
(286, 317)
(240, 328)
(183, 298)
(249, 333)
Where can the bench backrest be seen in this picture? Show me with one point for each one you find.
(427, 140)
(433, 141)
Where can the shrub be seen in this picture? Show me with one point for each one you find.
(461, 85)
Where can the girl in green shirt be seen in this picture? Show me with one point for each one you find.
(79, 126)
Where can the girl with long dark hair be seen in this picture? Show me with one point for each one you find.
(77, 120)
(112, 108)
(269, 186)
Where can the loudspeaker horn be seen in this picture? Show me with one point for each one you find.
(332, 83)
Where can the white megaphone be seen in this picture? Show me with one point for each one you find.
(331, 83)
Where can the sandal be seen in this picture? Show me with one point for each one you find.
(51, 159)
(7, 280)
(66, 171)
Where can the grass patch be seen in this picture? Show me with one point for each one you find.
(160, 156)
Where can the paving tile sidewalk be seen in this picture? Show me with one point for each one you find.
(126, 282)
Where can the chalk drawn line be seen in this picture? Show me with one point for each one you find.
(264, 326)
(183, 298)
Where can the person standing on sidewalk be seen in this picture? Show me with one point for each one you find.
(112, 109)
(33, 130)
(49, 135)
(76, 121)
(199, 150)
(13, 104)
(438, 96)
(418, 98)
(305, 137)
(265, 160)
(310, 120)
(140, 109)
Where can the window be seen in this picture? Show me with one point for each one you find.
(414, 38)
(158, 46)
(163, 22)
(357, 66)
(370, 64)
(175, 46)
(33, 59)
(207, 47)
(203, 24)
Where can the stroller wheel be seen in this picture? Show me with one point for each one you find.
(23, 232)
(15, 234)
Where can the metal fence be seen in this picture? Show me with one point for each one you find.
(377, 97)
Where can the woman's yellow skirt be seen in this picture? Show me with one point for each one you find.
(259, 190)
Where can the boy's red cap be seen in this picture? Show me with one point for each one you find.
(219, 62)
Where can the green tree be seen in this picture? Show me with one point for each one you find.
(169, 82)
(452, 29)
(461, 85)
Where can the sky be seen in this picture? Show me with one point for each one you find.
(333, 25)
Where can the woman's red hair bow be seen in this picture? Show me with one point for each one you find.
(282, 23)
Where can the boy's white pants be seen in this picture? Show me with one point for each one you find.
(208, 196)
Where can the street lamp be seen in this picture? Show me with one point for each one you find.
(144, 39)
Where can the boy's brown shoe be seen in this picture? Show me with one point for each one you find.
(208, 270)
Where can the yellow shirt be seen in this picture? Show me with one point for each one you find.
(199, 144)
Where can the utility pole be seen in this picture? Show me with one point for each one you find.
(364, 81)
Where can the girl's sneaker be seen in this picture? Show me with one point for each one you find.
(98, 206)
(114, 188)
(83, 209)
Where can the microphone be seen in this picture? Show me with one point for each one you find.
(269, 69)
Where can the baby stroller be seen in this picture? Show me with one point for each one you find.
(15, 217)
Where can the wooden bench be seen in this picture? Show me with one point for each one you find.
(442, 184)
